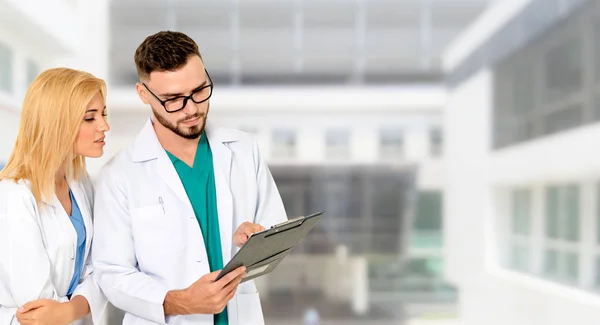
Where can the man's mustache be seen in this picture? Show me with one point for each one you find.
(193, 117)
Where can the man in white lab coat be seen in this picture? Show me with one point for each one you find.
(173, 208)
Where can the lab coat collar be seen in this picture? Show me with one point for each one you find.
(147, 147)
(74, 186)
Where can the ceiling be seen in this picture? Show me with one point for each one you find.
(252, 42)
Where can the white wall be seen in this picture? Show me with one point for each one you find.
(466, 125)
(474, 216)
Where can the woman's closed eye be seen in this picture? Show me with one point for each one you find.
(92, 118)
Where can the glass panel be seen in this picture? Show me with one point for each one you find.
(391, 143)
(598, 214)
(571, 216)
(552, 205)
(523, 87)
(436, 142)
(597, 273)
(338, 144)
(572, 266)
(429, 211)
(563, 70)
(284, 143)
(6, 66)
(32, 71)
(426, 239)
(521, 213)
(597, 48)
(551, 263)
(563, 119)
(520, 257)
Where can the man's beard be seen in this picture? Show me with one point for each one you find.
(190, 133)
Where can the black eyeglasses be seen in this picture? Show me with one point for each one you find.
(176, 104)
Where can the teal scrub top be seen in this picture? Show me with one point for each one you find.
(79, 225)
(199, 184)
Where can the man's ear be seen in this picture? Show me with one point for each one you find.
(142, 93)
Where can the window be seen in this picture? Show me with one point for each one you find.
(387, 207)
(436, 142)
(521, 212)
(561, 260)
(597, 66)
(32, 71)
(6, 66)
(549, 85)
(284, 144)
(391, 143)
(429, 211)
(427, 225)
(338, 144)
(563, 70)
(523, 88)
(520, 230)
(597, 237)
(596, 31)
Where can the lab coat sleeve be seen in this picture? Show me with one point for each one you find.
(270, 210)
(88, 286)
(23, 257)
(115, 264)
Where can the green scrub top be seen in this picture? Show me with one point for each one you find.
(199, 184)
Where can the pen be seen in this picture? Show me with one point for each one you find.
(160, 201)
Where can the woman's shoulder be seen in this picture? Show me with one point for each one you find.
(14, 193)
(10, 187)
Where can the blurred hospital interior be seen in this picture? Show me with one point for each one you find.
(450, 142)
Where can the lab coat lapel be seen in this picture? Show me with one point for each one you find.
(218, 141)
(147, 147)
(167, 172)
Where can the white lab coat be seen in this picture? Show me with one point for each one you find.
(38, 248)
(148, 240)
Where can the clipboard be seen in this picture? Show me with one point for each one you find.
(266, 249)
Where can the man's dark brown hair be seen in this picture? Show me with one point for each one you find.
(164, 51)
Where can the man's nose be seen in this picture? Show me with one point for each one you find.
(190, 107)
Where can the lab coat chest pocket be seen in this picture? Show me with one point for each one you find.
(157, 231)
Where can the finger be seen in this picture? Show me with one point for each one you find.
(245, 231)
(240, 239)
(231, 293)
(22, 317)
(242, 228)
(234, 283)
(32, 305)
(230, 289)
(230, 276)
(252, 228)
(211, 276)
(258, 228)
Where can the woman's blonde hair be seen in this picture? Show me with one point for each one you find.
(52, 113)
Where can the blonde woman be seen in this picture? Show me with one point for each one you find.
(46, 204)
